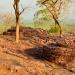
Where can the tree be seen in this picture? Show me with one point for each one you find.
(53, 8)
(17, 14)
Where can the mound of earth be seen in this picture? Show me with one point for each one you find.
(37, 53)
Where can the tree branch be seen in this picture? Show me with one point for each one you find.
(44, 1)
(54, 2)
(14, 6)
(23, 9)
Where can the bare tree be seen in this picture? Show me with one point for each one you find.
(53, 8)
(17, 14)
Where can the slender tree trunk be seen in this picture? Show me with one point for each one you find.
(17, 14)
(57, 23)
(17, 21)
(17, 31)
(60, 30)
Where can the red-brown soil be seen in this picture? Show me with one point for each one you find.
(37, 53)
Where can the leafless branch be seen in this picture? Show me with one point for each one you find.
(54, 2)
(44, 1)
(23, 9)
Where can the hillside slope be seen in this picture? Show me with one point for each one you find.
(37, 53)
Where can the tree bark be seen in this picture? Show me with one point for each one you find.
(17, 14)
(57, 23)
(17, 32)
(16, 7)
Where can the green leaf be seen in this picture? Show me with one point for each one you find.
(43, 11)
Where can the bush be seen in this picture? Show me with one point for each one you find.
(53, 30)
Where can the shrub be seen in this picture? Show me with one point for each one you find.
(53, 30)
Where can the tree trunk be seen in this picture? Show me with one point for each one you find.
(57, 23)
(17, 14)
(17, 32)
(17, 20)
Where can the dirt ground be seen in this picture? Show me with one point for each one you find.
(37, 53)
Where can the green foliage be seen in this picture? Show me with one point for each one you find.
(46, 23)
(43, 11)
(53, 30)
(3, 28)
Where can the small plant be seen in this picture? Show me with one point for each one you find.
(53, 30)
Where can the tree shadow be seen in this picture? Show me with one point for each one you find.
(53, 53)
(36, 53)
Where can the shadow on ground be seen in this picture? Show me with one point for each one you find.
(36, 53)
(55, 53)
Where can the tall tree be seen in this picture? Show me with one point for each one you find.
(53, 8)
(17, 14)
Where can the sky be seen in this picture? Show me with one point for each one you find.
(28, 14)
(6, 6)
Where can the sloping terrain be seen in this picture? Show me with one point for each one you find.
(38, 53)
